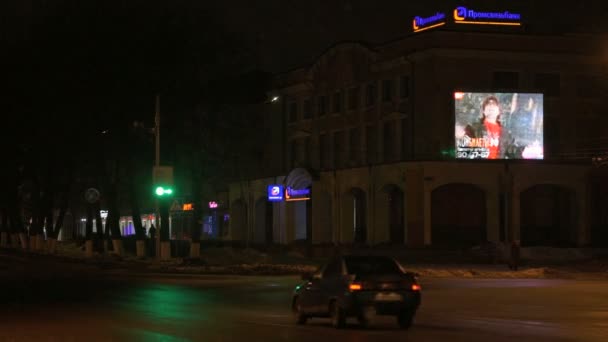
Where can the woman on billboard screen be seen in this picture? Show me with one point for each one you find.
(490, 134)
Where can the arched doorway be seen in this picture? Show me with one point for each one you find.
(238, 220)
(263, 221)
(395, 213)
(323, 211)
(359, 215)
(300, 180)
(458, 215)
(598, 203)
(547, 217)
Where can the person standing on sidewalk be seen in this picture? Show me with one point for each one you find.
(152, 234)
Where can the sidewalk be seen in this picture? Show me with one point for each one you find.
(227, 261)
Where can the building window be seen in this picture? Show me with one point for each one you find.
(292, 154)
(307, 109)
(370, 136)
(505, 80)
(354, 146)
(548, 83)
(353, 98)
(293, 112)
(404, 87)
(589, 86)
(389, 141)
(322, 105)
(337, 102)
(324, 151)
(406, 138)
(285, 109)
(307, 151)
(370, 94)
(387, 90)
(339, 149)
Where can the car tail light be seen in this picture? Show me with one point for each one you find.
(416, 287)
(355, 287)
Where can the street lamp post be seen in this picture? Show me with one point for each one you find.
(157, 164)
(163, 181)
(157, 131)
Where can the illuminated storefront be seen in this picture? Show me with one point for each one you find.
(126, 225)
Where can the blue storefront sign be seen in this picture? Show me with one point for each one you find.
(275, 193)
(425, 23)
(464, 15)
(467, 15)
(297, 194)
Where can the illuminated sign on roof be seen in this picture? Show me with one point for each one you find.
(421, 24)
(463, 15)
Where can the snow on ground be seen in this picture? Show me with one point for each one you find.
(538, 263)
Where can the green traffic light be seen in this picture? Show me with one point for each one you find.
(160, 191)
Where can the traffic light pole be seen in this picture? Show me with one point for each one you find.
(157, 164)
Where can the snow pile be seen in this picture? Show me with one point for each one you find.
(70, 249)
(219, 256)
(485, 261)
(247, 269)
(551, 254)
(456, 271)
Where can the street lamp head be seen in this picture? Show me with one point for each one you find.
(274, 99)
(160, 191)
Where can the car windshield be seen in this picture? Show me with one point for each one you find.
(371, 265)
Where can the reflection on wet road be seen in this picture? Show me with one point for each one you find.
(164, 308)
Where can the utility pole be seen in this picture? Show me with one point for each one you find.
(157, 164)
(157, 130)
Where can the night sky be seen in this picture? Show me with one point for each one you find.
(105, 60)
(291, 33)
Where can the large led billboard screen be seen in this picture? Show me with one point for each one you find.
(498, 125)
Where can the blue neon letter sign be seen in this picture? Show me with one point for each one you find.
(420, 23)
(463, 15)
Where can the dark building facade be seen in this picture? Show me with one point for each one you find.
(370, 131)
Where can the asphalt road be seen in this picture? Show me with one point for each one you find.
(85, 306)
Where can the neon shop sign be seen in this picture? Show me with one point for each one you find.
(421, 24)
(463, 15)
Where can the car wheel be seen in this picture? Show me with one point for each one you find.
(338, 318)
(405, 319)
(365, 317)
(298, 316)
